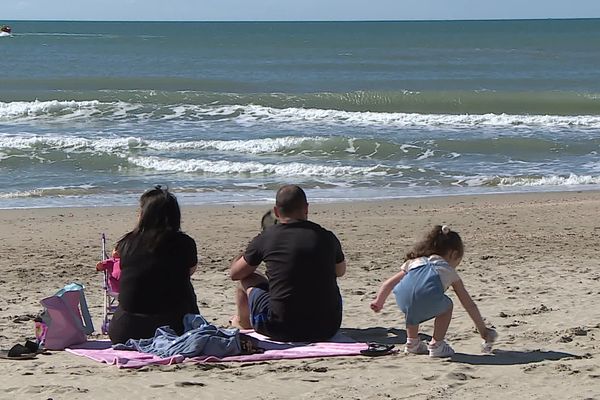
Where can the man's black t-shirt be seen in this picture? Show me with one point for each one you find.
(305, 300)
(157, 280)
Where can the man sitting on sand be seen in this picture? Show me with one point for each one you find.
(301, 300)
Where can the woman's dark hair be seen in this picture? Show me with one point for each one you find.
(159, 215)
(159, 210)
(440, 240)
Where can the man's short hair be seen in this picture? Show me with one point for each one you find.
(289, 199)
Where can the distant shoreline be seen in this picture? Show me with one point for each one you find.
(319, 202)
(314, 21)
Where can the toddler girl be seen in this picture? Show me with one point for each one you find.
(428, 271)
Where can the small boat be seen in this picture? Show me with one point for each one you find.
(5, 30)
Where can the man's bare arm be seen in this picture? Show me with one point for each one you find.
(240, 269)
(340, 268)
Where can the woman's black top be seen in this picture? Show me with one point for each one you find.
(155, 286)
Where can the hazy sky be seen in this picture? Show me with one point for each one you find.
(261, 10)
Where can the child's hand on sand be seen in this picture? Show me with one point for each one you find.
(376, 306)
(490, 339)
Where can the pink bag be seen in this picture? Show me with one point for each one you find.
(66, 317)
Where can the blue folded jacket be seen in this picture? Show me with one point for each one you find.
(200, 338)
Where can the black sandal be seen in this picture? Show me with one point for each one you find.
(378, 349)
(18, 352)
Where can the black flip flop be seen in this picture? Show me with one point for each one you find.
(18, 352)
(378, 349)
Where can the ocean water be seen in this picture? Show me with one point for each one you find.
(93, 113)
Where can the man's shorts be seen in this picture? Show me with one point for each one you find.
(262, 321)
(259, 303)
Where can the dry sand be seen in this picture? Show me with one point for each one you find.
(531, 264)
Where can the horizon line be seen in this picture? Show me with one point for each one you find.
(316, 20)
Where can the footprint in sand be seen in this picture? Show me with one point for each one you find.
(460, 376)
(188, 384)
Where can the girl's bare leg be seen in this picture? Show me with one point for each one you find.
(412, 331)
(441, 324)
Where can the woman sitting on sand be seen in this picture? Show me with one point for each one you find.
(157, 260)
(428, 271)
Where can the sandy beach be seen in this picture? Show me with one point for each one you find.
(531, 264)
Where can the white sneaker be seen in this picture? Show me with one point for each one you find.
(440, 349)
(418, 347)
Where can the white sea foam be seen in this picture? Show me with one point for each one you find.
(254, 114)
(21, 194)
(66, 143)
(223, 167)
(71, 143)
(22, 110)
(252, 146)
(524, 181)
(406, 147)
(428, 153)
(49, 191)
(552, 180)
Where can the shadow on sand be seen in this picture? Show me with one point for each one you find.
(379, 335)
(498, 357)
(511, 357)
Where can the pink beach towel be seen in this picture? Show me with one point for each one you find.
(339, 345)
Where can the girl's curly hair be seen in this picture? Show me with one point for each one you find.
(439, 240)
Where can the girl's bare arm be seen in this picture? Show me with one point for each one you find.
(470, 306)
(385, 290)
